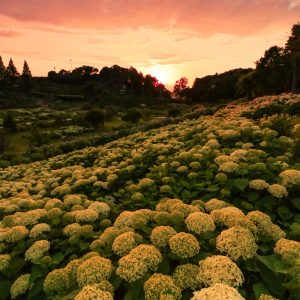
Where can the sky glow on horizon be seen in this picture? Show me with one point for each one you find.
(168, 39)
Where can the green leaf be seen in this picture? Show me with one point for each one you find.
(296, 202)
(36, 272)
(5, 289)
(209, 174)
(268, 261)
(260, 288)
(251, 266)
(269, 202)
(37, 292)
(281, 267)
(135, 291)
(241, 183)
(146, 229)
(213, 188)
(186, 195)
(115, 281)
(253, 196)
(69, 250)
(185, 184)
(83, 245)
(58, 258)
(164, 267)
(284, 213)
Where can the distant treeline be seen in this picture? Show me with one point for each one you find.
(115, 77)
(276, 72)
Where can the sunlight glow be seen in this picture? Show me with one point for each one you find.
(164, 74)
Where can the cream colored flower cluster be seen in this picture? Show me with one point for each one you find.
(258, 184)
(4, 261)
(290, 177)
(232, 216)
(93, 292)
(176, 205)
(185, 276)
(14, 234)
(57, 281)
(138, 262)
(86, 215)
(159, 285)
(219, 269)
(214, 203)
(288, 249)
(218, 291)
(161, 235)
(93, 270)
(266, 297)
(265, 226)
(199, 222)
(37, 250)
(237, 242)
(20, 286)
(107, 238)
(228, 167)
(39, 229)
(184, 245)
(125, 242)
(277, 190)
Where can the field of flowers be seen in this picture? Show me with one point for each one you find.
(204, 209)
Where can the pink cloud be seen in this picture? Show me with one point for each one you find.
(9, 33)
(240, 17)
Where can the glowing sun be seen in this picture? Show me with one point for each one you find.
(164, 74)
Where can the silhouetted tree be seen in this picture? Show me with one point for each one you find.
(292, 49)
(214, 88)
(179, 86)
(86, 71)
(26, 78)
(2, 69)
(272, 72)
(247, 84)
(11, 71)
(52, 75)
(26, 73)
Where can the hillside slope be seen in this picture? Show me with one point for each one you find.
(246, 155)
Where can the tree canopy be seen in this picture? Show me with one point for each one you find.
(26, 71)
(2, 69)
(11, 70)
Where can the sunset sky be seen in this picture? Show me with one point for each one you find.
(166, 38)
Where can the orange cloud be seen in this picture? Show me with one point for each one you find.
(239, 17)
(9, 33)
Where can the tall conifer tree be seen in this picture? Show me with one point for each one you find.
(26, 71)
(11, 70)
(2, 69)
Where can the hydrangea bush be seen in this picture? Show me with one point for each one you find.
(125, 220)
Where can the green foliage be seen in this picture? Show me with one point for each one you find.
(9, 123)
(95, 117)
(214, 88)
(174, 112)
(133, 115)
(83, 195)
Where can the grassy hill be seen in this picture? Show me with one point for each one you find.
(204, 201)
